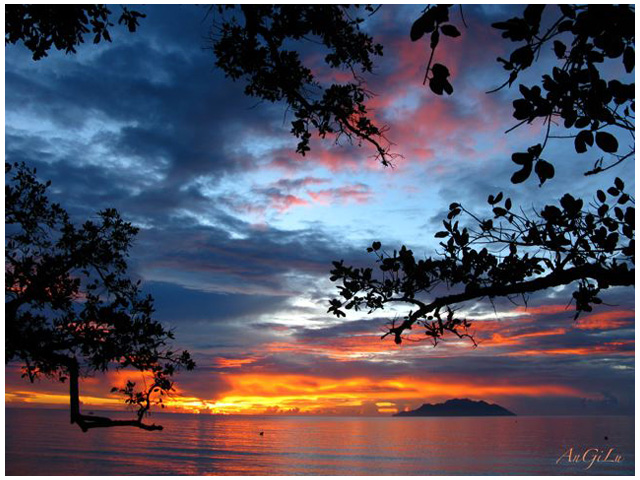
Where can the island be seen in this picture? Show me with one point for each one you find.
(458, 407)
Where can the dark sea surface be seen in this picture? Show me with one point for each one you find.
(42, 442)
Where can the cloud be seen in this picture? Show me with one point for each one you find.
(609, 320)
(233, 257)
(358, 193)
(180, 304)
(262, 393)
(238, 231)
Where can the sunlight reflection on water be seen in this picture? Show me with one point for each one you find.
(231, 445)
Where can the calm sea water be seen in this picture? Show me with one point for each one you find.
(42, 442)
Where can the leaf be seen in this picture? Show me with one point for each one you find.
(450, 31)
(630, 216)
(606, 142)
(416, 31)
(522, 174)
(533, 13)
(629, 59)
(582, 122)
(522, 56)
(376, 245)
(435, 38)
(568, 10)
(522, 109)
(438, 82)
(559, 48)
(440, 13)
(601, 196)
(442, 234)
(501, 25)
(535, 150)
(499, 211)
(619, 213)
(424, 24)
(440, 70)
(436, 86)
(521, 158)
(584, 138)
(544, 170)
(565, 26)
(570, 204)
(619, 183)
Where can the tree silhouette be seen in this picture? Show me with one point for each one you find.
(41, 27)
(515, 252)
(576, 92)
(70, 308)
(257, 51)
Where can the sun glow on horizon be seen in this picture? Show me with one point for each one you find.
(286, 394)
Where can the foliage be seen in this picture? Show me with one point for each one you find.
(41, 27)
(71, 310)
(593, 248)
(257, 50)
(434, 20)
(513, 253)
(576, 92)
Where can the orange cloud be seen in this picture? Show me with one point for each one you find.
(223, 362)
(257, 393)
(606, 320)
(358, 193)
(283, 202)
(544, 310)
(343, 348)
(333, 159)
(516, 339)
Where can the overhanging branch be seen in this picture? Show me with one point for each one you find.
(618, 276)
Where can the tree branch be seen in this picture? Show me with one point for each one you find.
(619, 276)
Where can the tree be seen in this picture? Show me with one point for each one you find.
(257, 51)
(70, 308)
(41, 27)
(515, 252)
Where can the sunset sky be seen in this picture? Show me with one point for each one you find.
(238, 231)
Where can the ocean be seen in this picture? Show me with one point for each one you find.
(42, 442)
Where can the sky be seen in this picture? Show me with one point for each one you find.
(238, 232)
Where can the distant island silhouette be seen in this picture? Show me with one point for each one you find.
(458, 407)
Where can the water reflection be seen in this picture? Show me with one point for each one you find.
(201, 445)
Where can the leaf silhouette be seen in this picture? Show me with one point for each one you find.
(607, 142)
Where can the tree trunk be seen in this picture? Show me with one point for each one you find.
(85, 422)
(74, 392)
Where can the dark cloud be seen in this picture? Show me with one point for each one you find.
(163, 111)
(248, 259)
(182, 305)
